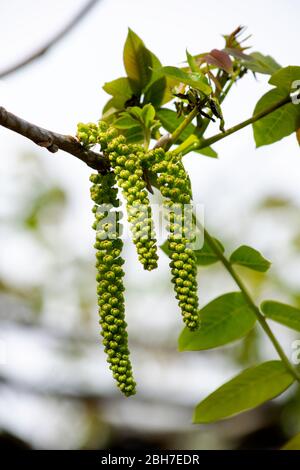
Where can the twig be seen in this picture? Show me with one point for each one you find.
(53, 141)
(260, 318)
(203, 143)
(51, 42)
(178, 131)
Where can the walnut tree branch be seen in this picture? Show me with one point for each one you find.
(51, 42)
(53, 141)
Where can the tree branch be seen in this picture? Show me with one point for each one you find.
(51, 42)
(53, 141)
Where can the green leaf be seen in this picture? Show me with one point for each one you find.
(285, 77)
(292, 444)
(192, 62)
(282, 313)
(170, 121)
(225, 319)
(125, 122)
(137, 61)
(208, 152)
(206, 256)
(134, 135)
(279, 123)
(109, 109)
(156, 92)
(156, 88)
(193, 141)
(120, 89)
(251, 258)
(262, 63)
(195, 80)
(165, 247)
(249, 389)
(148, 115)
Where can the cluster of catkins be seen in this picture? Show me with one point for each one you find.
(128, 162)
(109, 278)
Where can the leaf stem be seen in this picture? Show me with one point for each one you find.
(182, 126)
(261, 319)
(202, 143)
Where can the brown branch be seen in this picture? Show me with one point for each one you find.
(51, 42)
(53, 141)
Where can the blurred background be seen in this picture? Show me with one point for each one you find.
(55, 387)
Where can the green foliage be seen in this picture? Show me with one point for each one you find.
(260, 63)
(222, 321)
(134, 115)
(250, 258)
(206, 256)
(195, 80)
(140, 121)
(278, 124)
(282, 313)
(284, 78)
(249, 389)
(137, 62)
(170, 121)
(191, 60)
(120, 89)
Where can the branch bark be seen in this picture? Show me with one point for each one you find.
(53, 141)
(51, 42)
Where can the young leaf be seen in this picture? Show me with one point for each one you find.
(170, 121)
(195, 80)
(249, 389)
(109, 109)
(156, 88)
(284, 78)
(148, 115)
(192, 62)
(220, 59)
(120, 90)
(278, 124)
(165, 247)
(292, 444)
(156, 92)
(262, 63)
(222, 321)
(282, 313)
(251, 258)
(126, 122)
(171, 82)
(206, 256)
(134, 135)
(137, 61)
(193, 141)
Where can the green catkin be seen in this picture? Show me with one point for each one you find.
(126, 161)
(109, 278)
(174, 186)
